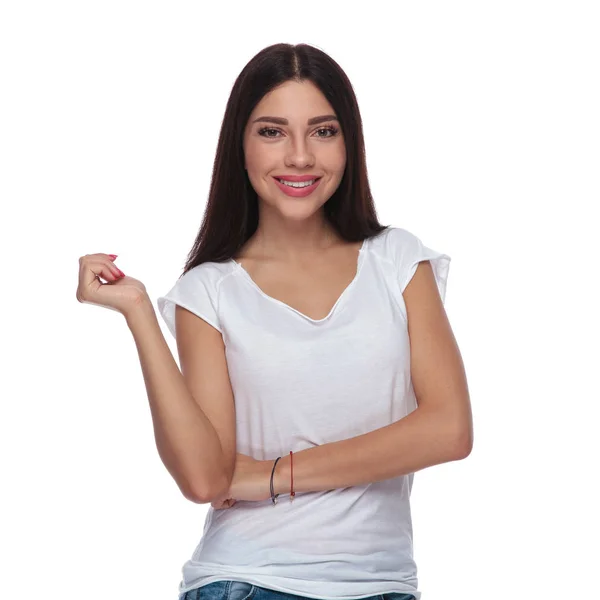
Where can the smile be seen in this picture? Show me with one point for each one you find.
(297, 189)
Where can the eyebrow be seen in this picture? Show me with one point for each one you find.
(281, 121)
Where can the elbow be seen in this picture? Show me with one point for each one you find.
(192, 494)
(215, 485)
(198, 496)
(206, 494)
(462, 451)
(464, 443)
(463, 431)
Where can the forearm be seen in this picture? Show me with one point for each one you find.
(187, 443)
(419, 440)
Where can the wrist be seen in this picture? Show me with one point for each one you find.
(142, 311)
(282, 476)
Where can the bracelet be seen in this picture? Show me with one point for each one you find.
(274, 496)
(292, 492)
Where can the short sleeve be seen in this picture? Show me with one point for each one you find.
(408, 251)
(197, 291)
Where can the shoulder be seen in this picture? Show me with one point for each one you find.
(405, 251)
(197, 290)
(395, 244)
(208, 274)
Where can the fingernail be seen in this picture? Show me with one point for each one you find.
(122, 274)
(113, 256)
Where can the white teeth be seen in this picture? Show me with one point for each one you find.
(298, 184)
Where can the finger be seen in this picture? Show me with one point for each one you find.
(110, 263)
(108, 271)
(101, 257)
(106, 256)
(222, 504)
(115, 270)
(91, 268)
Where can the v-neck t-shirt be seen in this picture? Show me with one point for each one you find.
(298, 383)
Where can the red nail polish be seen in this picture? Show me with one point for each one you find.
(113, 256)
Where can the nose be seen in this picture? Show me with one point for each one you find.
(299, 154)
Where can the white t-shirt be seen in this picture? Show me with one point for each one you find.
(299, 383)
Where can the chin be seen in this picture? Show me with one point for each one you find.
(296, 208)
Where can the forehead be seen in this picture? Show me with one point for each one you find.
(294, 101)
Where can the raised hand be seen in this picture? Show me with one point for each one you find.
(121, 293)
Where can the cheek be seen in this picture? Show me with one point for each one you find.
(253, 152)
(336, 156)
(260, 158)
(337, 164)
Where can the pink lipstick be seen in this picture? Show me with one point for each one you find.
(298, 192)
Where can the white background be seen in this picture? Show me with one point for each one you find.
(482, 130)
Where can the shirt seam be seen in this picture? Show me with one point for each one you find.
(218, 295)
(395, 280)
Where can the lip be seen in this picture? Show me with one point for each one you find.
(297, 192)
(297, 177)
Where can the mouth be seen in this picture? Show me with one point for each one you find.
(297, 189)
(284, 181)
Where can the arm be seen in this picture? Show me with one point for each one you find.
(419, 440)
(187, 443)
(439, 430)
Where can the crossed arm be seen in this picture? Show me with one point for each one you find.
(439, 430)
(421, 439)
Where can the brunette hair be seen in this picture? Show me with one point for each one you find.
(231, 214)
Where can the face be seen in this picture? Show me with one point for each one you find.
(298, 147)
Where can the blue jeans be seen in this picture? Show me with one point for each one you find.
(240, 590)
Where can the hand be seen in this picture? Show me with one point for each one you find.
(121, 293)
(251, 479)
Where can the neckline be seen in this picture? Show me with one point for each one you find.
(359, 263)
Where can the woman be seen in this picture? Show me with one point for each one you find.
(329, 331)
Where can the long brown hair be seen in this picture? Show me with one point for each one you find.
(231, 215)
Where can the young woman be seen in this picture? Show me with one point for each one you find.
(318, 368)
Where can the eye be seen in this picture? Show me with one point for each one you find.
(334, 130)
(330, 128)
(265, 129)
